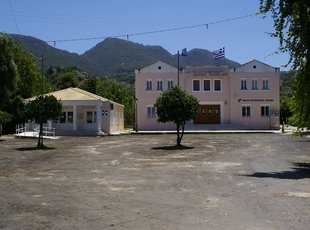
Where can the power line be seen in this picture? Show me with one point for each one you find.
(17, 27)
(127, 36)
(205, 25)
(15, 21)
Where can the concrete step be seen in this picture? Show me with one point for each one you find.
(190, 127)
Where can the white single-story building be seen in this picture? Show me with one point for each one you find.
(85, 113)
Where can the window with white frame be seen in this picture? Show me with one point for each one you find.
(148, 85)
(151, 111)
(217, 84)
(264, 110)
(265, 84)
(159, 85)
(170, 84)
(196, 85)
(91, 117)
(254, 84)
(246, 110)
(66, 117)
(207, 85)
(243, 84)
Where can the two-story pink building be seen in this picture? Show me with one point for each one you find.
(246, 97)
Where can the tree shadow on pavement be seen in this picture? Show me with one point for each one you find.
(174, 147)
(34, 148)
(299, 171)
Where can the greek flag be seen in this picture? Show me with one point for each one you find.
(220, 53)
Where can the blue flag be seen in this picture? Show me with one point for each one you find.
(184, 52)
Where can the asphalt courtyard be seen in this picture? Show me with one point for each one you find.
(219, 181)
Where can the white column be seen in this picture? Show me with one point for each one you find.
(99, 117)
(74, 118)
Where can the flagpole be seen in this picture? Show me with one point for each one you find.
(178, 68)
(184, 53)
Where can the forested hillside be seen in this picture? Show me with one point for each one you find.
(114, 57)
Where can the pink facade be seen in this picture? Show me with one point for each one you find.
(246, 97)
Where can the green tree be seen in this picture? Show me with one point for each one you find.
(89, 84)
(286, 95)
(292, 27)
(41, 109)
(66, 80)
(29, 81)
(8, 76)
(300, 100)
(15, 108)
(4, 118)
(8, 69)
(175, 105)
(61, 78)
(117, 92)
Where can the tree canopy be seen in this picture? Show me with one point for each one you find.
(19, 78)
(4, 118)
(292, 27)
(119, 93)
(29, 81)
(175, 105)
(8, 69)
(41, 109)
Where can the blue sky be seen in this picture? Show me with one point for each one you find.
(244, 39)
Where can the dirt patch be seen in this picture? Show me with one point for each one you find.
(137, 182)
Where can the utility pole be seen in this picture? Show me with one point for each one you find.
(42, 75)
(178, 68)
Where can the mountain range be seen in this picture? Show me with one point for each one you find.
(114, 56)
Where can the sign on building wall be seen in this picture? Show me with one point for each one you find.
(104, 112)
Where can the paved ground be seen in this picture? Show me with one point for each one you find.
(221, 181)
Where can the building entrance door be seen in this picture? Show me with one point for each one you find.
(208, 114)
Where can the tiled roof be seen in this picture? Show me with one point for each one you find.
(75, 94)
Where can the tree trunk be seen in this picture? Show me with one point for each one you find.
(178, 137)
(183, 126)
(180, 134)
(40, 138)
